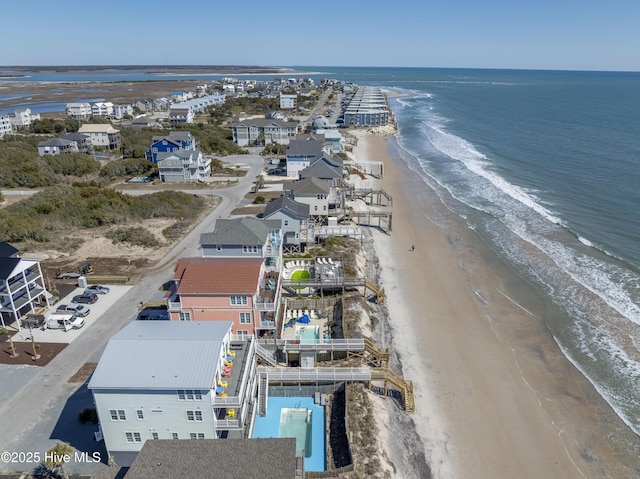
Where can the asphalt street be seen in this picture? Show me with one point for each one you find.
(43, 410)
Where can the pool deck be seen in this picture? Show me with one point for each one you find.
(269, 427)
(291, 333)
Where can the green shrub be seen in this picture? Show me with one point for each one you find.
(137, 236)
(259, 200)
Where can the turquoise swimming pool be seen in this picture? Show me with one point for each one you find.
(300, 418)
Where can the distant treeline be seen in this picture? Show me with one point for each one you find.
(48, 213)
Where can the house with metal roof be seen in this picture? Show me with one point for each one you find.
(173, 380)
(292, 214)
(22, 287)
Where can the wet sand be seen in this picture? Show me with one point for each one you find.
(495, 397)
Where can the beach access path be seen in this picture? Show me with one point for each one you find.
(495, 396)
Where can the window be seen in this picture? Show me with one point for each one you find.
(242, 334)
(194, 416)
(117, 415)
(140, 414)
(174, 435)
(245, 318)
(184, 316)
(154, 436)
(238, 300)
(133, 436)
(286, 222)
(193, 435)
(189, 395)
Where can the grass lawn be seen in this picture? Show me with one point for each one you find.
(301, 274)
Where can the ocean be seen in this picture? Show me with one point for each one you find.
(545, 167)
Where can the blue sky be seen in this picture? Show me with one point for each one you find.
(540, 34)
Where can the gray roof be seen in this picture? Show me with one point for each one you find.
(273, 458)
(240, 231)
(76, 137)
(308, 147)
(180, 154)
(7, 250)
(56, 142)
(323, 170)
(288, 206)
(161, 355)
(309, 186)
(7, 265)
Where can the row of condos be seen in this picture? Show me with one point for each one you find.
(368, 107)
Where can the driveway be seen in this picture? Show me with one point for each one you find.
(44, 410)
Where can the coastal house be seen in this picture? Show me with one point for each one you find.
(102, 108)
(102, 135)
(288, 102)
(301, 153)
(23, 118)
(179, 115)
(56, 146)
(332, 138)
(145, 105)
(79, 111)
(221, 289)
(313, 192)
(174, 141)
(5, 125)
(83, 143)
(189, 380)
(183, 166)
(263, 131)
(292, 214)
(120, 111)
(22, 287)
(242, 238)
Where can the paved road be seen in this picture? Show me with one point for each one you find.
(45, 409)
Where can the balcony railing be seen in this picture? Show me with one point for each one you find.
(173, 306)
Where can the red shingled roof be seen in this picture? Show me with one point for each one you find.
(218, 275)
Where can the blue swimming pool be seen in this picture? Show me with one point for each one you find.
(300, 418)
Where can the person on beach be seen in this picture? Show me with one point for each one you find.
(413, 247)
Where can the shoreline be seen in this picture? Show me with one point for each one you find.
(495, 396)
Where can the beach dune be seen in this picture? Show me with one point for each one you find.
(495, 397)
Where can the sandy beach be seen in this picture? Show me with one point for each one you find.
(495, 397)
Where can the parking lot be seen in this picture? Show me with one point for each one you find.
(105, 301)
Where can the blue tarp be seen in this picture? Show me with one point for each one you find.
(304, 319)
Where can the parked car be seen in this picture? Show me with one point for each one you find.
(88, 298)
(77, 309)
(66, 321)
(97, 289)
(153, 314)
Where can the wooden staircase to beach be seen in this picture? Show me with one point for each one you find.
(375, 289)
(263, 387)
(405, 386)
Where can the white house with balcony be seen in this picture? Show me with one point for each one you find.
(23, 118)
(79, 111)
(173, 380)
(102, 108)
(102, 135)
(288, 102)
(22, 287)
(183, 166)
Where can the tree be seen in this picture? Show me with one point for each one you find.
(57, 458)
(259, 183)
